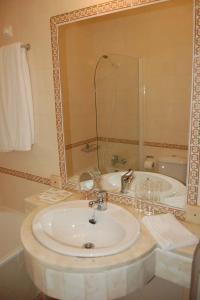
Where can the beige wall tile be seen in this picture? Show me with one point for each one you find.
(124, 151)
(79, 161)
(158, 152)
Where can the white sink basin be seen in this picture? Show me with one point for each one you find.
(168, 186)
(65, 228)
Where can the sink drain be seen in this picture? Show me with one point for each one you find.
(88, 245)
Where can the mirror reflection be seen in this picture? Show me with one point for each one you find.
(126, 85)
(86, 181)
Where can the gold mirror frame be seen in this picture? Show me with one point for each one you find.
(193, 183)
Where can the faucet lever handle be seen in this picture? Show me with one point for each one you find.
(101, 195)
(129, 172)
(126, 180)
(128, 175)
(101, 201)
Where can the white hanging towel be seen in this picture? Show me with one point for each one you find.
(16, 106)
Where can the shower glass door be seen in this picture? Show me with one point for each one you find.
(116, 84)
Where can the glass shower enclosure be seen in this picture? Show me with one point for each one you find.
(118, 113)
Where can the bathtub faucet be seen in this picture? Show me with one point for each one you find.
(126, 181)
(116, 159)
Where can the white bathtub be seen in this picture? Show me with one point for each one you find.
(10, 224)
(14, 281)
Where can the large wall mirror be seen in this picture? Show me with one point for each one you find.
(126, 83)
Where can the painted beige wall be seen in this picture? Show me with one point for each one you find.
(14, 190)
(30, 22)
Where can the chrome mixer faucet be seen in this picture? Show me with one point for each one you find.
(101, 201)
(126, 181)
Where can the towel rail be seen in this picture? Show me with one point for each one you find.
(26, 46)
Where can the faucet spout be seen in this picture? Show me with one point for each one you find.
(101, 201)
(126, 181)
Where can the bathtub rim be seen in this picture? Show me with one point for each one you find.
(12, 254)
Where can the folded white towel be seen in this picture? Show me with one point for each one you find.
(168, 232)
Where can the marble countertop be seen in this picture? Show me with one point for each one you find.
(142, 247)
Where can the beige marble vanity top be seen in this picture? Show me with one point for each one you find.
(144, 245)
(111, 276)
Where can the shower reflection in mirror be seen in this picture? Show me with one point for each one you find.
(126, 85)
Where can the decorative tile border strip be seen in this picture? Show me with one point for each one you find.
(197, 28)
(126, 141)
(81, 143)
(26, 176)
(147, 206)
(194, 157)
(111, 7)
(146, 143)
(120, 141)
(166, 145)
